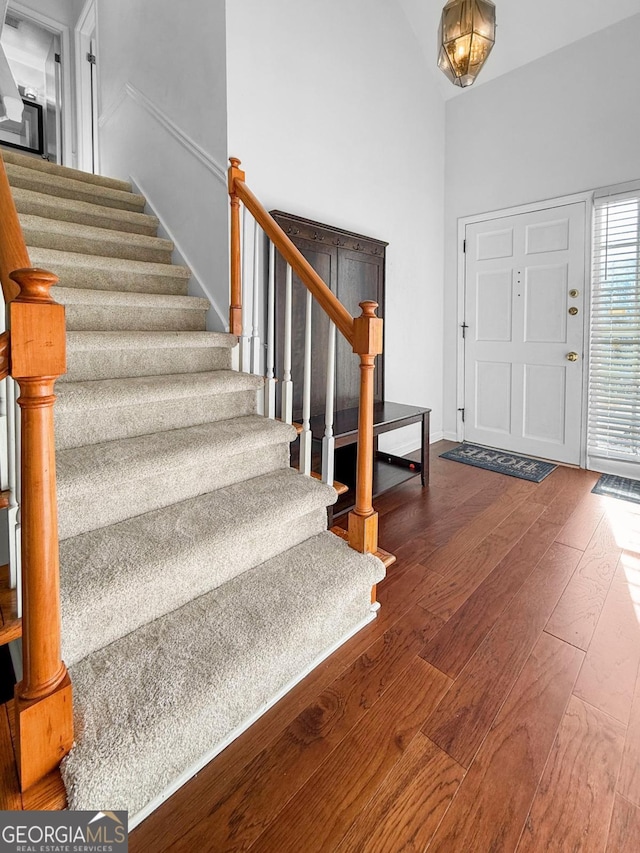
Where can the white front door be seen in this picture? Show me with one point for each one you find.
(524, 303)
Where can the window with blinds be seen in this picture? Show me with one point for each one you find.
(614, 378)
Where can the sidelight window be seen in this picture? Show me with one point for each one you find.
(614, 380)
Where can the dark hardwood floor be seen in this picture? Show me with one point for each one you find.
(493, 705)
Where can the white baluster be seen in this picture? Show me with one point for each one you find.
(256, 345)
(4, 427)
(245, 338)
(329, 442)
(306, 437)
(270, 383)
(287, 384)
(15, 476)
(4, 440)
(13, 469)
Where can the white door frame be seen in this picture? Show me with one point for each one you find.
(587, 198)
(86, 26)
(68, 147)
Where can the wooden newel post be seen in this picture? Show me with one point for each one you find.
(235, 303)
(43, 703)
(367, 343)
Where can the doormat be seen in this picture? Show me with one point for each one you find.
(500, 461)
(618, 487)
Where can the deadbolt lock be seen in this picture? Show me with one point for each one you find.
(574, 293)
(572, 356)
(573, 310)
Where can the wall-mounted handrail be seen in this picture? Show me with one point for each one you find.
(35, 358)
(364, 334)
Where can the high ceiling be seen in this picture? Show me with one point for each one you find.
(526, 30)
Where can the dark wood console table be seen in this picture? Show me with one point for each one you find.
(389, 470)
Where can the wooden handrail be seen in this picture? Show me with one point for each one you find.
(364, 333)
(34, 354)
(13, 252)
(327, 300)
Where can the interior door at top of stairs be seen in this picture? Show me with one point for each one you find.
(524, 341)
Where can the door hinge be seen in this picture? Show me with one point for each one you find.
(462, 414)
(464, 246)
(58, 58)
(464, 328)
(91, 57)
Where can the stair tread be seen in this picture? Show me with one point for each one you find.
(68, 187)
(40, 165)
(103, 273)
(98, 410)
(55, 258)
(116, 578)
(162, 697)
(82, 341)
(55, 227)
(142, 390)
(114, 298)
(93, 355)
(139, 457)
(35, 203)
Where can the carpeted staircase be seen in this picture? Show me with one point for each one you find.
(198, 580)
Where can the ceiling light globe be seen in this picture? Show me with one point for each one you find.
(466, 36)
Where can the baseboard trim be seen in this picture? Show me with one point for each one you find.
(158, 114)
(195, 768)
(450, 436)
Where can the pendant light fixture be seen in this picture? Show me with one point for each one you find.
(467, 34)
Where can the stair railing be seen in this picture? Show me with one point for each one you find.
(363, 333)
(33, 354)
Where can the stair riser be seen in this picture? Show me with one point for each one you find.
(55, 208)
(95, 246)
(97, 623)
(75, 429)
(117, 364)
(29, 179)
(80, 510)
(85, 318)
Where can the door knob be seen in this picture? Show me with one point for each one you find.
(572, 356)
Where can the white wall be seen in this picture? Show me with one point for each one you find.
(335, 117)
(162, 103)
(566, 123)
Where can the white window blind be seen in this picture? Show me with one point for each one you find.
(614, 377)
